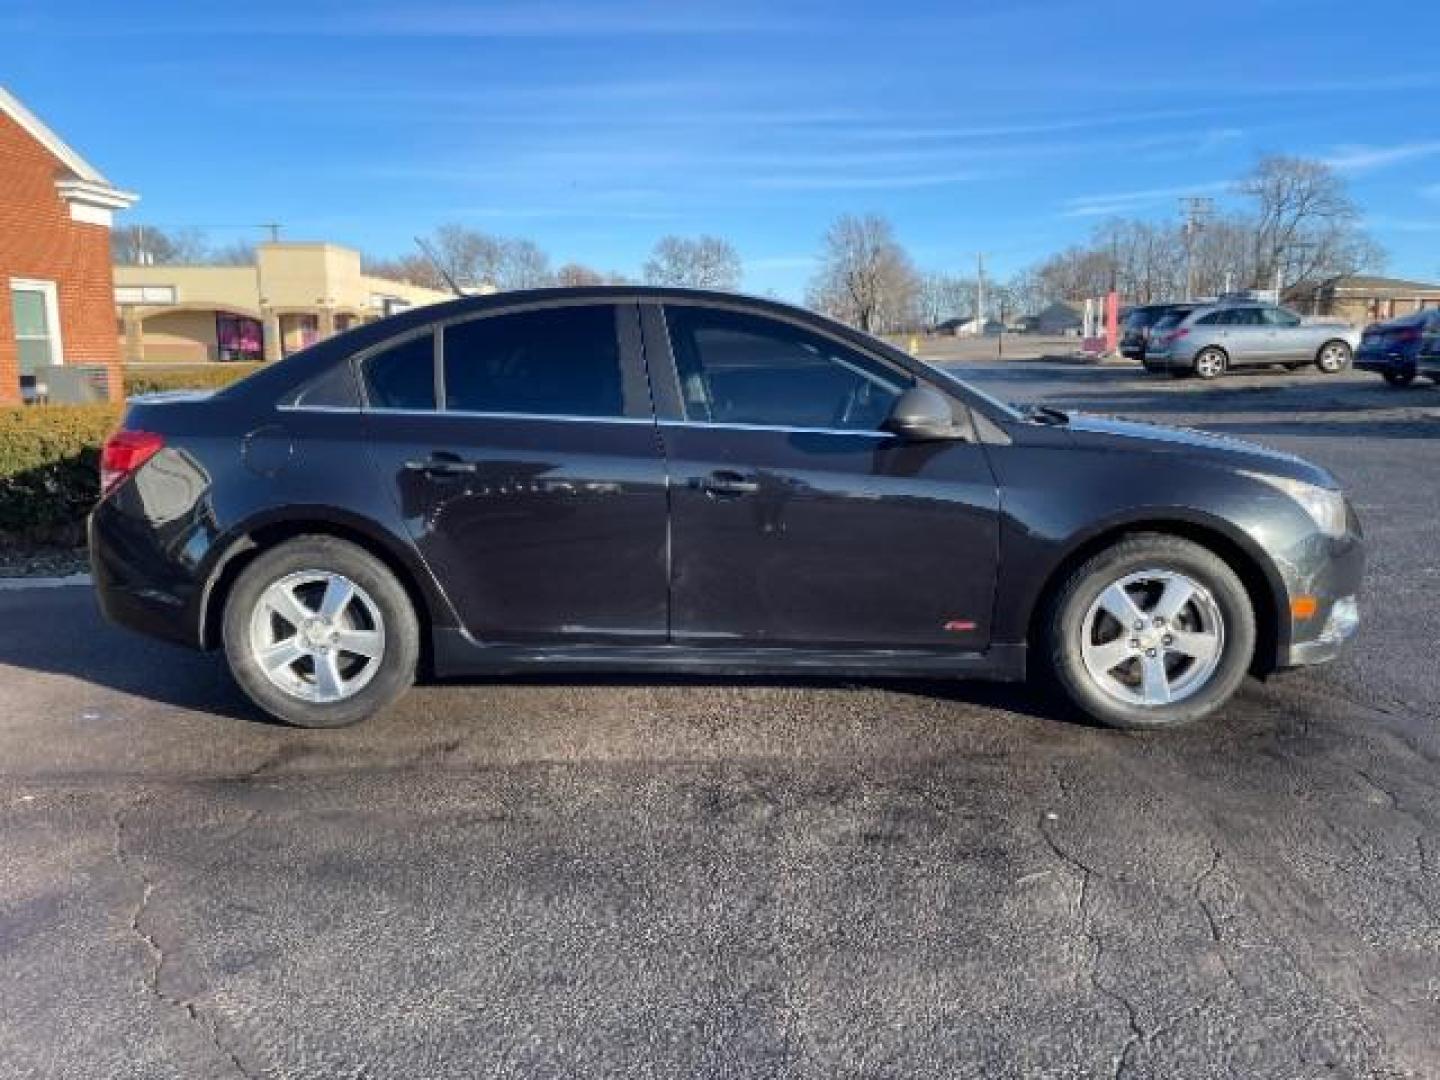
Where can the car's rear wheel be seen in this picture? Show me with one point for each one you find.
(1400, 379)
(1152, 632)
(1210, 363)
(1333, 357)
(319, 633)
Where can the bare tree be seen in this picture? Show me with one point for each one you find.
(706, 262)
(523, 265)
(865, 276)
(150, 244)
(239, 253)
(1306, 224)
(941, 296)
(578, 274)
(414, 269)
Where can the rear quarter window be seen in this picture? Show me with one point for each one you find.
(334, 389)
(401, 376)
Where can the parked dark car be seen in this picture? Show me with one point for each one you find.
(1392, 348)
(598, 479)
(1427, 357)
(1140, 322)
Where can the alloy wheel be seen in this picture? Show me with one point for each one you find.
(1152, 638)
(1209, 364)
(1334, 357)
(317, 636)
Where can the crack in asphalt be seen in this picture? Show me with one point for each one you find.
(1421, 852)
(155, 953)
(1087, 873)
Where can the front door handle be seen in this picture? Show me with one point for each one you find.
(729, 482)
(442, 463)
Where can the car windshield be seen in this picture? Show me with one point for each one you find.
(1170, 319)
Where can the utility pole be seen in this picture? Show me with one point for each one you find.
(980, 292)
(1196, 210)
(274, 228)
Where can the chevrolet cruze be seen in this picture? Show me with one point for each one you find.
(632, 479)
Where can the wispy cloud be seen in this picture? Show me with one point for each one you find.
(1362, 158)
(637, 18)
(841, 181)
(1120, 202)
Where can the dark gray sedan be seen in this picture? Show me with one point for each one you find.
(602, 479)
(1208, 341)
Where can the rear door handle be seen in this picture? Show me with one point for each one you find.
(442, 463)
(729, 482)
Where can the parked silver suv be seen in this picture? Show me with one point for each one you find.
(1210, 340)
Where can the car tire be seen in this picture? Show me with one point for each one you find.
(1217, 620)
(1333, 357)
(1399, 379)
(1210, 363)
(319, 633)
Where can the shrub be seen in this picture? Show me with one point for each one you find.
(49, 470)
(155, 378)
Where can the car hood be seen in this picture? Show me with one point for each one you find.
(1114, 433)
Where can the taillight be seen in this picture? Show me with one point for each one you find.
(1176, 335)
(123, 453)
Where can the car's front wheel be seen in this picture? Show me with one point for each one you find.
(1152, 632)
(1399, 377)
(1333, 357)
(319, 633)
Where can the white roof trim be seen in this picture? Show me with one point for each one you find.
(91, 194)
(82, 169)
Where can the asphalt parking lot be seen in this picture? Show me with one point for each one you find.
(675, 879)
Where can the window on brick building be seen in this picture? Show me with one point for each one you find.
(36, 318)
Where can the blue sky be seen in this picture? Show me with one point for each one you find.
(593, 128)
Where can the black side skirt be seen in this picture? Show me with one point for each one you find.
(457, 654)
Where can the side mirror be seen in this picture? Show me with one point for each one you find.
(922, 414)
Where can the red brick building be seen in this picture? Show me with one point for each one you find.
(57, 295)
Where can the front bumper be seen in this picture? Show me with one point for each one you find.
(1322, 576)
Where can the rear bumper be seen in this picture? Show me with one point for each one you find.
(137, 584)
(1381, 361)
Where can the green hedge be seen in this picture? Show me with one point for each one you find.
(49, 470)
(157, 377)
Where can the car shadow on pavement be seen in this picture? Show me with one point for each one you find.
(1019, 699)
(60, 632)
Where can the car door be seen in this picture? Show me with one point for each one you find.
(1247, 339)
(520, 446)
(1292, 341)
(796, 521)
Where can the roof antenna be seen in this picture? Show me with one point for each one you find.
(439, 266)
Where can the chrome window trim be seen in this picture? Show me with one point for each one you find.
(784, 429)
(468, 413)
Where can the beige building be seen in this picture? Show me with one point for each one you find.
(1363, 298)
(294, 295)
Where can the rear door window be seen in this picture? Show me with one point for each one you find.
(561, 361)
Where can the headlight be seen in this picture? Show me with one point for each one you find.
(1326, 506)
